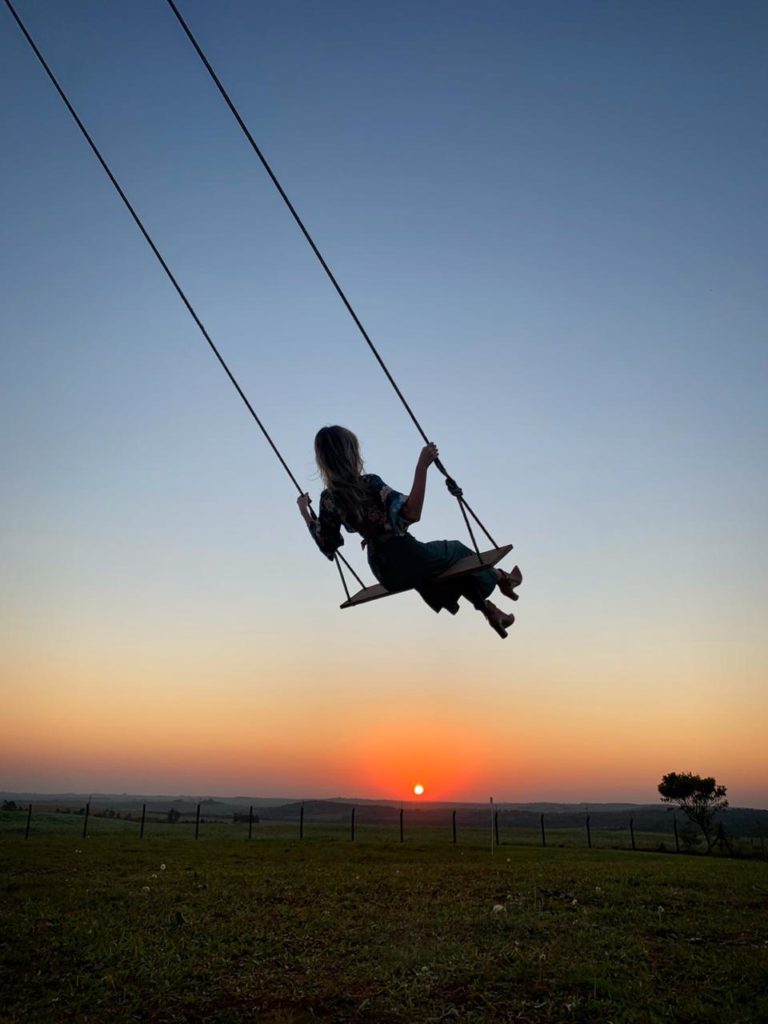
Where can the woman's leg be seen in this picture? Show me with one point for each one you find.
(509, 581)
(497, 619)
(432, 559)
(477, 588)
(405, 562)
(437, 556)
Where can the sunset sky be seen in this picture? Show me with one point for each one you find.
(551, 217)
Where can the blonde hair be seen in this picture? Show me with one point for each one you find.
(337, 452)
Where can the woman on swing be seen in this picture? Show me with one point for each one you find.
(362, 503)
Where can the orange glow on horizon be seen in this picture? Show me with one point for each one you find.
(84, 724)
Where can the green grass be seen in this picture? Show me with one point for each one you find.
(47, 823)
(281, 932)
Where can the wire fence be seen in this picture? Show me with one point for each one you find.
(458, 828)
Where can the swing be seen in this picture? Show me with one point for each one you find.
(472, 563)
(465, 566)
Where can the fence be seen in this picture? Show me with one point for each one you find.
(497, 832)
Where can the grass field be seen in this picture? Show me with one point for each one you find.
(276, 931)
(46, 823)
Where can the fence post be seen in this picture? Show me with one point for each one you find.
(401, 824)
(589, 834)
(352, 837)
(543, 833)
(85, 819)
(496, 826)
(250, 822)
(677, 838)
(632, 832)
(29, 822)
(301, 820)
(197, 822)
(143, 819)
(453, 823)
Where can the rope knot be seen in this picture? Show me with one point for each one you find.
(453, 487)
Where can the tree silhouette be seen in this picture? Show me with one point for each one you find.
(699, 799)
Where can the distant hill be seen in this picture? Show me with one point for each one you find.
(742, 821)
(646, 818)
(133, 801)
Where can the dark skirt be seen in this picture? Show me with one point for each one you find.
(404, 563)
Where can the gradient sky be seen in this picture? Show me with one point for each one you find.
(552, 219)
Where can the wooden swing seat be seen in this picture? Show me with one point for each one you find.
(463, 567)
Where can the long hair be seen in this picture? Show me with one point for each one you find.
(337, 452)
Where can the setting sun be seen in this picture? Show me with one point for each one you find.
(418, 789)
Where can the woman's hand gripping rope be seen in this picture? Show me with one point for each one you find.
(428, 455)
(304, 501)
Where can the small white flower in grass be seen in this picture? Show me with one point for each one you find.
(162, 867)
(499, 909)
(145, 888)
(574, 902)
(153, 876)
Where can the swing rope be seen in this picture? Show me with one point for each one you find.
(338, 557)
(450, 483)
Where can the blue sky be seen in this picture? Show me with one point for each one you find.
(550, 217)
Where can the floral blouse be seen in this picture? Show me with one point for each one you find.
(381, 515)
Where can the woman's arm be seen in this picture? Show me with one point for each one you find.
(411, 510)
(303, 501)
(325, 529)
